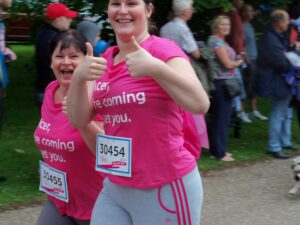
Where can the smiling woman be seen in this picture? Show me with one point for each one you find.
(66, 56)
(140, 87)
(62, 146)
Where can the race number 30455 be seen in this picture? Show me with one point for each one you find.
(113, 155)
(53, 182)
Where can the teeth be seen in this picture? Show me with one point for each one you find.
(124, 21)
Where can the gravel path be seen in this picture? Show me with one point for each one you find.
(252, 195)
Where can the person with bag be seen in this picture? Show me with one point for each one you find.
(272, 63)
(178, 30)
(226, 88)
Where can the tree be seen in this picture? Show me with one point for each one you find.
(205, 9)
(94, 7)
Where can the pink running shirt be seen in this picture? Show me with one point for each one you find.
(140, 109)
(64, 149)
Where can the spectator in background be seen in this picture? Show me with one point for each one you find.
(236, 37)
(57, 17)
(236, 40)
(247, 14)
(177, 29)
(6, 55)
(294, 37)
(90, 30)
(272, 63)
(221, 104)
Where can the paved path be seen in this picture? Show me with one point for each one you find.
(251, 195)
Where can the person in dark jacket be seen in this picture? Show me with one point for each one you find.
(57, 17)
(271, 65)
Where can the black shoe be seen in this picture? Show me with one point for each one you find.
(279, 155)
(291, 147)
(2, 179)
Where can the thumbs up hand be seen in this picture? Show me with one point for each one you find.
(91, 68)
(139, 62)
(64, 106)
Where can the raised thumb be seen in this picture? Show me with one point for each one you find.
(89, 48)
(135, 45)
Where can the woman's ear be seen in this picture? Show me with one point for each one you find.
(150, 9)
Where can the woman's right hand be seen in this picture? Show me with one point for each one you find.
(91, 68)
(239, 62)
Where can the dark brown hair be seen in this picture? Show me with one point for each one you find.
(69, 38)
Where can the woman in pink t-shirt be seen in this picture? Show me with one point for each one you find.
(67, 172)
(141, 87)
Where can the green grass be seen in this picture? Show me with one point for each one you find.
(252, 145)
(19, 156)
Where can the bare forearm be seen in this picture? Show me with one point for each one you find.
(80, 110)
(89, 134)
(178, 79)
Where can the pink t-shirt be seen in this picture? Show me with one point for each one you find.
(140, 109)
(64, 149)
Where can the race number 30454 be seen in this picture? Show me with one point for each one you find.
(113, 155)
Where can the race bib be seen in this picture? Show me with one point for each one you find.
(53, 182)
(113, 155)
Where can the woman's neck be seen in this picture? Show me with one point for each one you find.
(60, 94)
(222, 37)
(126, 47)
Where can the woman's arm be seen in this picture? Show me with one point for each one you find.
(79, 103)
(79, 97)
(89, 134)
(176, 77)
(227, 62)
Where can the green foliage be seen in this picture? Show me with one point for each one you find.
(94, 7)
(201, 6)
(205, 11)
(37, 6)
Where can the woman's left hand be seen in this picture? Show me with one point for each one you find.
(140, 62)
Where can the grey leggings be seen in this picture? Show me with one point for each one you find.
(50, 216)
(176, 203)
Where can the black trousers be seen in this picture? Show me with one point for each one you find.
(219, 120)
